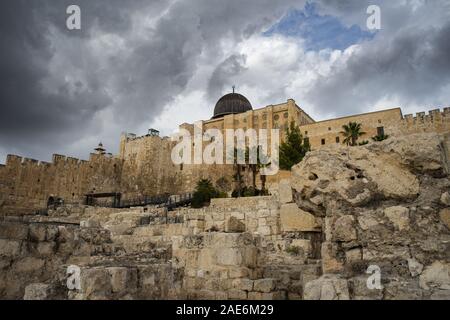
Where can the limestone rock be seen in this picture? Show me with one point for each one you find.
(264, 285)
(415, 267)
(243, 284)
(330, 263)
(445, 198)
(13, 231)
(437, 275)
(344, 229)
(440, 295)
(9, 247)
(420, 152)
(303, 244)
(122, 278)
(37, 291)
(234, 225)
(327, 287)
(366, 221)
(295, 219)
(37, 232)
(399, 216)
(353, 255)
(285, 191)
(89, 224)
(356, 175)
(360, 291)
(444, 214)
(95, 283)
(29, 265)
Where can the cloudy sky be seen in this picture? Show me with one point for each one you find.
(138, 64)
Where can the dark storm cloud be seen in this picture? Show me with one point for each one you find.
(224, 74)
(63, 91)
(57, 84)
(410, 64)
(28, 114)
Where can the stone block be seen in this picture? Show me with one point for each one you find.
(65, 234)
(360, 291)
(399, 216)
(277, 295)
(29, 265)
(239, 272)
(38, 291)
(234, 225)
(229, 257)
(436, 275)
(303, 244)
(255, 296)
(37, 232)
(295, 219)
(237, 294)
(52, 233)
(366, 221)
(46, 249)
(13, 231)
(9, 248)
(122, 278)
(445, 198)
(344, 229)
(327, 288)
(95, 283)
(264, 285)
(264, 230)
(243, 284)
(444, 214)
(89, 224)
(285, 191)
(353, 255)
(440, 295)
(330, 263)
(415, 268)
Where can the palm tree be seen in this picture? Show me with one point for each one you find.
(352, 131)
(239, 168)
(254, 168)
(262, 163)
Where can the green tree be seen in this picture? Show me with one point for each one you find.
(203, 194)
(294, 148)
(352, 131)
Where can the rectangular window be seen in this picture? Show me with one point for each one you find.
(337, 140)
(323, 141)
(380, 131)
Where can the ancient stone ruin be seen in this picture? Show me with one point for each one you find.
(345, 215)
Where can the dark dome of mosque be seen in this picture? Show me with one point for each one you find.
(231, 103)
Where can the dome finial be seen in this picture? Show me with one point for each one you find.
(234, 87)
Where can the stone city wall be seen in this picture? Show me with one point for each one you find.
(144, 166)
(393, 123)
(27, 184)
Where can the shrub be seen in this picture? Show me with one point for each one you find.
(293, 250)
(380, 137)
(203, 194)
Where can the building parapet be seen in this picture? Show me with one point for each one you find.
(432, 115)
